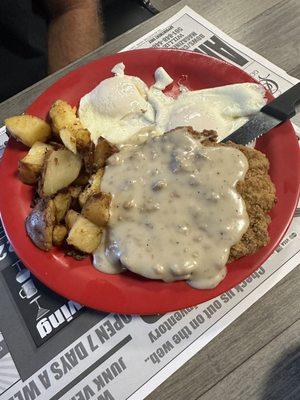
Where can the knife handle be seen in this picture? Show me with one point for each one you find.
(284, 106)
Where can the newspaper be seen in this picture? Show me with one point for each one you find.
(53, 348)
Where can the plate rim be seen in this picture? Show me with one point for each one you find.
(86, 66)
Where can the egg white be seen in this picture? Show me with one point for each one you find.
(123, 109)
(223, 109)
(116, 109)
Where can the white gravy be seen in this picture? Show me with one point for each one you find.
(175, 211)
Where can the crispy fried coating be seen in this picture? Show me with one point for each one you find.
(258, 192)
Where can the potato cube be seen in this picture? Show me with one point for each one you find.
(96, 209)
(61, 168)
(59, 234)
(28, 129)
(84, 235)
(31, 165)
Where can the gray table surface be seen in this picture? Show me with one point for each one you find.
(258, 356)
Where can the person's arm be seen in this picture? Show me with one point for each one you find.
(75, 29)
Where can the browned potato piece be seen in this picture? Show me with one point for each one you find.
(40, 222)
(68, 138)
(62, 115)
(61, 168)
(28, 129)
(83, 139)
(70, 218)
(96, 209)
(59, 234)
(102, 152)
(92, 188)
(62, 203)
(31, 165)
(74, 191)
(85, 148)
(87, 155)
(84, 235)
(29, 173)
(68, 126)
(75, 137)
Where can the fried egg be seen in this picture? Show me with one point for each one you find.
(124, 110)
(223, 109)
(117, 108)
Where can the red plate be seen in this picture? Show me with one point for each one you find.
(128, 293)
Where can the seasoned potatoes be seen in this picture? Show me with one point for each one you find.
(92, 188)
(62, 115)
(59, 234)
(70, 210)
(61, 168)
(68, 126)
(31, 165)
(102, 152)
(96, 209)
(84, 235)
(62, 202)
(68, 139)
(40, 223)
(70, 218)
(28, 129)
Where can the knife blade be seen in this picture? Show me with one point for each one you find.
(271, 115)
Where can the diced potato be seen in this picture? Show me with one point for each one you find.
(102, 152)
(59, 234)
(87, 155)
(85, 148)
(62, 115)
(37, 153)
(83, 139)
(72, 137)
(62, 203)
(96, 209)
(74, 191)
(92, 188)
(61, 168)
(40, 223)
(28, 129)
(68, 126)
(84, 235)
(29, 173)
(70, 218)
(31, 165)
(68, 139)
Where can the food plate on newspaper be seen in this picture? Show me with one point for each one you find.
(166, 87)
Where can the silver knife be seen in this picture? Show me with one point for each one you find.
(271, 115)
